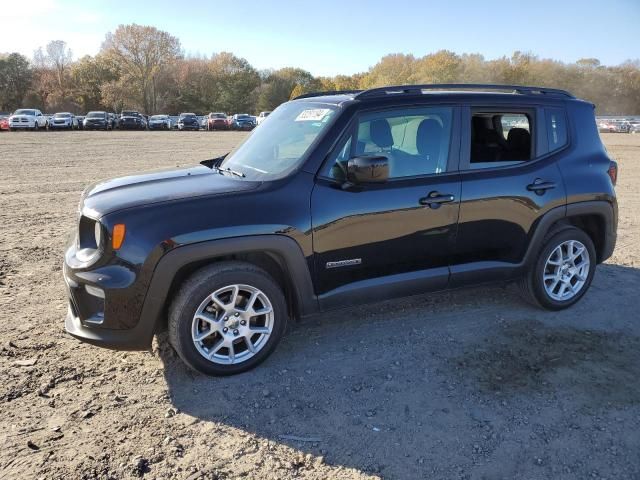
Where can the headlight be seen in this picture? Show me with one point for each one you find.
(90, 240)
(97, 233)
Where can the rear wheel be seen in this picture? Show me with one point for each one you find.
(563, 270)
(227, 318)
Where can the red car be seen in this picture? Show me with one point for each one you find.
(217, 121)
(4, 123)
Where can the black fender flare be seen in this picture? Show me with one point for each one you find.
(479, 272)
(284, 248)
(604, 209)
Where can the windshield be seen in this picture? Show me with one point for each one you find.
(159, 117)
(95, 115)
(277, 147)
(242, 116)
(25, 112)
(62, 115)
(218, 115)
(130, 114)
(187, 115)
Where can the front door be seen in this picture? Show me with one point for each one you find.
(378, 241)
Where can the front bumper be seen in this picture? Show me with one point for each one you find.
(59, 125)
(244, 126)
(105, 307)
(22, 124)
(95, 126)
(188, 127)
(131, 126)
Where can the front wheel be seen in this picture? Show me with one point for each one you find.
(563, 270)
(227, 318)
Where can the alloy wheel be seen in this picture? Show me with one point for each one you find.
(566, 270)
(232, 324)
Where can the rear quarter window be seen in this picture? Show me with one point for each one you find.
(556, 128)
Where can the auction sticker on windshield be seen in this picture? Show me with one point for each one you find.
(312, 114)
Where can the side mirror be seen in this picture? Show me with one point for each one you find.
(368, 169)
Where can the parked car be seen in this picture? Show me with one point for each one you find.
(4, 122)
(634, 128)
(27, 119)
(160, 122)
(132, 120)
(188, 121)
(97, 120)
(217, 121)
(242, 121)
(398, 192)
(261, 117)
(63, 120)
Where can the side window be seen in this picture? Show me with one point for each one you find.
(556, 128)
(415, 141)
(500, 139)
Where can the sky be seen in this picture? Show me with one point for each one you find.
(338, 36)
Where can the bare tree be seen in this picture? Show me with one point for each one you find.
(56, 57)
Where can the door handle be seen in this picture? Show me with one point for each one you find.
(540, 186)
(434, 199)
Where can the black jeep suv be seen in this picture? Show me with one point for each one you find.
(344, 198)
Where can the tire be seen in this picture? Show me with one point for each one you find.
(195, 296)
(36, 127)
(540, 292)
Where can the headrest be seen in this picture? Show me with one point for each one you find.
(428, 137)
(519, 138)
(380, 132)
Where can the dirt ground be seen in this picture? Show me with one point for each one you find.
(470, 384)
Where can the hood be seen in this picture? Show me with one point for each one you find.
(137, 190)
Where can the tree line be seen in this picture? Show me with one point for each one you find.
(141, 67)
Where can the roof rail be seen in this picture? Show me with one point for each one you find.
(328, 92)
(419, 89)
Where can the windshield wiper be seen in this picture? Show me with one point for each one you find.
(233, 172)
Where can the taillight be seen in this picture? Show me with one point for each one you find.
(613, 172)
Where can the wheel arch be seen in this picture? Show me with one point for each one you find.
(598, 219)
(278, 255)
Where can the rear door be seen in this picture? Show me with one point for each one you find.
(509, 179)
(384, 240)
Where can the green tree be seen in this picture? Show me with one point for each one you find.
(88, 76)
(15, 80)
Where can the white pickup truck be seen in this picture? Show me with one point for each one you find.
(27, 118)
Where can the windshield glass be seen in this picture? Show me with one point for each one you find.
(129, 114)
(62, 115)
(95, 115)
(25, 112)
(159, 117)
(278, 146)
